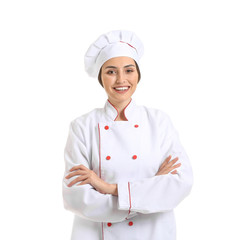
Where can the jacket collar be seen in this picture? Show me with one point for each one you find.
(112, 112)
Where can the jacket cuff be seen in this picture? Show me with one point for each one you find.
(124, 196)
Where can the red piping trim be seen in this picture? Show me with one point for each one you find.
(129, 45)
(102, 232)
(99, 152)
(130, 202)
(100, 166)
(125, 108)
(116, 110)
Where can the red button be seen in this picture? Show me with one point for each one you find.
(136, 126)
(109, 224)
(108, 157)
(134, 157)
(130, 223)
(106, 127)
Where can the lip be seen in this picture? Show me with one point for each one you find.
(121, 86)
(121, 92)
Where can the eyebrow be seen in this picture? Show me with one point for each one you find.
(130, 65)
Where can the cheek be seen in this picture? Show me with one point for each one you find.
(134, 80)
(107, 81)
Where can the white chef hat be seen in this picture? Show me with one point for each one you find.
(113, 44)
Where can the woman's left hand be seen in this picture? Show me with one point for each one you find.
(87, 176)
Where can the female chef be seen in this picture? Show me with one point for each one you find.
(125, 168)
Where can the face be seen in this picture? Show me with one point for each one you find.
(119, 77)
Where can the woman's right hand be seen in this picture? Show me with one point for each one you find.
(168, 165)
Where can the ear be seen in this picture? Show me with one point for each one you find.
(100, 77)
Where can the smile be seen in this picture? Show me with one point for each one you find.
(121, 89)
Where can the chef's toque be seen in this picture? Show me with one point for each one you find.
(113, 44)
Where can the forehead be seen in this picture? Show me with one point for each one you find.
(119, 62)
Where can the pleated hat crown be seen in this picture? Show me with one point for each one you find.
(117, 43)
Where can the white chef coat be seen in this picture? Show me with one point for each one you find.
(128, 153)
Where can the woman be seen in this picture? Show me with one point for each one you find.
(125, 168)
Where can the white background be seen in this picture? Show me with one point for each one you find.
(190, 70)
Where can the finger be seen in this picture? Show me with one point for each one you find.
(177, 165)
(174, 172)
(78, 167)
(83, 182)
(78, 179)
(176, 158)
(165, 162)
(75, 168)
(169, 169)
(174, 167)
(78, 172)
(167, 166)
(172, 162)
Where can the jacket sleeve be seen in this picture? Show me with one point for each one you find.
(159, 193)
(84, 200)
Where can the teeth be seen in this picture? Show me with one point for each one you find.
(121, 88)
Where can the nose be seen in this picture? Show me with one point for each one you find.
(120, 77)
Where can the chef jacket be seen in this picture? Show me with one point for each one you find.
(129, 154)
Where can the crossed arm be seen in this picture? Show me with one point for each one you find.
(86, 176)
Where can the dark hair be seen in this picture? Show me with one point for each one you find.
(100, 73)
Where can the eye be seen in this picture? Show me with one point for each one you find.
(130, 70)
(110, 72)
